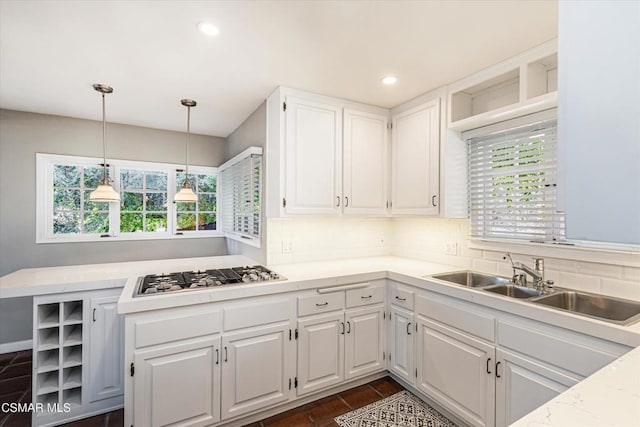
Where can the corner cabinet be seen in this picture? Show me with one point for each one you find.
(415, 160)
(77, 356)
(325, 156)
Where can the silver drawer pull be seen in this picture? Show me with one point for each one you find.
(322, 305)
(367, 297)
(400, 299)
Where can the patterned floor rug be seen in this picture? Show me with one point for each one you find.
(401, 409)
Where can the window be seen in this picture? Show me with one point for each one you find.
(241, 196)
(143, 201)
(512, 180)
(201, 215)
(146, 209)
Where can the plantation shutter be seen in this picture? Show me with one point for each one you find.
(512, 180)
(240, 198)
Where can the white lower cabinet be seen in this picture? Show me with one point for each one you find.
(522, 385)
(401, 343)
(364, 341)
(254, 369)
(457, 370)
(178, 383)
(77, 356)
(320, 352)
(106, 348)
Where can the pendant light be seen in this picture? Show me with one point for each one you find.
(186, 194)
(104, 192)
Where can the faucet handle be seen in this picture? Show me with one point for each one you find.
(538, 264)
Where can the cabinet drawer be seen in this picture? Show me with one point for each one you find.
(568, 350)
(178, 327)
(257, 312)
(459, 316)
(401, 297)
(317, 304)
(365, 296)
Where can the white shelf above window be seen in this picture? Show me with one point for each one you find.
(519, 86)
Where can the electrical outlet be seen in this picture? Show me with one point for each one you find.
(287, 246)
(451, 248)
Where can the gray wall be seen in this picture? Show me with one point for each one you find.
(24, 134)
(251, 133)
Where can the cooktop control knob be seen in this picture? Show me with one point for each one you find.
(253, 277)
(274, 275)
(264, 276)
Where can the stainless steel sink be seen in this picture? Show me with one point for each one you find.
(471, 279)
(513, 291)
(610, 309)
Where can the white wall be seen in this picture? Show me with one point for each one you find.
(599, 119)
(317, 239)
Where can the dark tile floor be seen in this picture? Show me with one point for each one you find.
(15, 386)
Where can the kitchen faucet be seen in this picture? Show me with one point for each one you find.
(537, 272)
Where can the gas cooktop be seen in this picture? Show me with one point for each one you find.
(157, 284)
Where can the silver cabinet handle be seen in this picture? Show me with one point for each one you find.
(217, 356)
(433, 200)
(342, 333)
(323, 304)
(338, 200)
(400, 299)
(346, 202)
(409, 328)
(367, 297)
(94, 314)
(497, 374)
(488, 361)
(226, 354)
(348, 327)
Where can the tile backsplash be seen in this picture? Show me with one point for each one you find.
(291, 240)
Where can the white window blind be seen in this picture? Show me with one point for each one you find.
(241, 195)
(512, 180)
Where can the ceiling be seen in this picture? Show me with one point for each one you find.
(51, 52)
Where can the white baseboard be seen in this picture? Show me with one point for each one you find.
(10, 347)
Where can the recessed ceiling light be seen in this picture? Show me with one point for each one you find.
(389, 80)
(208, 29)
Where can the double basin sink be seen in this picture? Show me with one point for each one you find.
(615, 310)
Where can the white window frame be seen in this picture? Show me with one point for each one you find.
(44, 200)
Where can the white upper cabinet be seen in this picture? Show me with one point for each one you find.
(365, 167)
(313, 157)
(325, 156)
(415, 160)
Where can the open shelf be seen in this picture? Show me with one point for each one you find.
(72, 396)
(48, 338)
(72, 312)
(542, 76)
(47, 382)
(48, 315)
(72, 377)
(72, 356)
(488, 95)
(47, 399)
(72, 335)
(48, 360)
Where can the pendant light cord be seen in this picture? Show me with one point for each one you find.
(104, 143)
(186, 171)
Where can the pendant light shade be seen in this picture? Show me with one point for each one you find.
(186, 194)
(104, 192)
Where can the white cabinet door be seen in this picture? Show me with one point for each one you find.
(254, 369)
(523, 385)
(401, 344)
(313, 157)
(456, 370)
(106, 349)
(365, 163)
(415, 160)
(364, 341)
(320, 352)
(178, 384)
